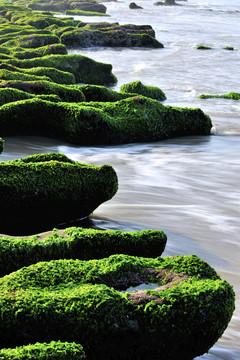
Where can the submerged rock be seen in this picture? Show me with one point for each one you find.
(41, 351)
(134, 6)
(167, 3)
(231, 96)
(203, 47)
(73, 300)
(41, 191)
(77, 243)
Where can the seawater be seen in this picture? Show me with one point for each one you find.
(188, 187)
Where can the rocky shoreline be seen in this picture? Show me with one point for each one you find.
(63, 289)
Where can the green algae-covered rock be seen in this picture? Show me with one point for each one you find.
(73, 300)
(83, 68)
(136, 119)
(57, 76)
(15, 75)
(8, 95)
(231, 96)
(21, 53)
(55, 350)
(101, 93)
(65, 93)
(84, 13)
(77, 243)
(203, 47)
(117, 36)
(41, 191)
(1, 145)
(138, 88)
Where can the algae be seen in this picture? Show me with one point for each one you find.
(42, 191)
(75, 300)
(77, 243)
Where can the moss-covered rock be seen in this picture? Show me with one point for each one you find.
(228, 48)
(57, 76)
(83, 68)
(101, 93)
(136, 119)
(55, 49)
(42, 191)
(77, 243)
(84, 13)
(1, 145)
(8, 95)
(231, 96)
(91, 6)
(73, 300)
(137, 87)
(203, 47)
(15, 75)
(113, 36)
(42, 351)
(32, 41)
(64, 92)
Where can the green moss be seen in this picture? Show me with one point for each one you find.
(77, 243)
(83, 68)
(39, 20)
(32, 41)
(203, 47)
(1, 145)
(14, 75)
(231, 96)
(8, 95)
(101, 93)
(57, 76)
(20, 53)
(40, 87)
(42, 351)
(84, 13)
(47, 190)
(228, 48)
(75, 300)
(136, 119)
(148, 91)
(143, 119)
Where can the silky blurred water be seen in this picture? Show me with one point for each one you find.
(188, 187)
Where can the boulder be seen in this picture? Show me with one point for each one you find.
(90, 303)
(41, 191)
(77, 243)
(112, 36)
(134, 6)
(167, 3)
(88, 6)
